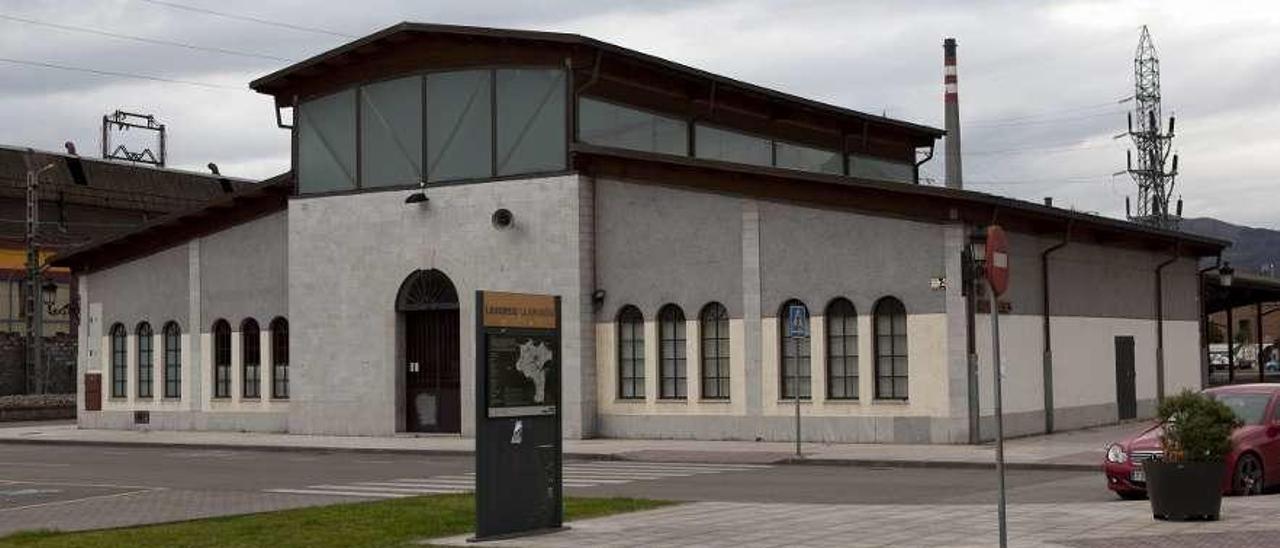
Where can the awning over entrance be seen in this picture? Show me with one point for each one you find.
(1241, 328)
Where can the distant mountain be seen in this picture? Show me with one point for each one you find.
(1252, 249)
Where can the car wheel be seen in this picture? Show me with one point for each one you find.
(1247, 479)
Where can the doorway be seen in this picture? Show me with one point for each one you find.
(1126, 380)
(428, 306)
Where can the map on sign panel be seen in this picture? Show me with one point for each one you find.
(520, 369)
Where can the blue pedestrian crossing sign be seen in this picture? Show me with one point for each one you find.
(797, 321)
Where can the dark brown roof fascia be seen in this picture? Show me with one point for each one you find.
(237, 208)
(908, 201)
(268, 84)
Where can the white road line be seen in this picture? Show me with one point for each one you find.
(447, 486)
(427, 480)
(674, 465)
(72, 501)
(661, 467)
(338, 493)
(422, 490)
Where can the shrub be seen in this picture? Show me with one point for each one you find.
(1197, 428)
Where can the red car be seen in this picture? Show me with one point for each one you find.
(1252, 466)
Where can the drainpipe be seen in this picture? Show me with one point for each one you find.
(1047, 333)
(1177, 250)
(1204, 321)
(916, 173)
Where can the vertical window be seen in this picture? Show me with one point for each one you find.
(327, 143)
(172, 360)
(221, 359)
(714, 330)
(530, 120)
(459, 125)
(280, 358)
(119, 366)
(891, 349)
(630, 353)
(146, 363)
(391, 133)
(250, 359)
(730, 146)
(672, 359)
(604, 123)
(795, 371)
(842, 350)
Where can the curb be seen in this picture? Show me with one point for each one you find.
(863, 463)
(277, 448)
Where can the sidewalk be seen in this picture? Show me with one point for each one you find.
(1076, 450)
(1246, 521)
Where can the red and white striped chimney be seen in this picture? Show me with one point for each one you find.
(951, 102)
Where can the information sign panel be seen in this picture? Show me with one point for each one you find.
(518, 440)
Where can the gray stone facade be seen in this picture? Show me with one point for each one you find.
(333, 265)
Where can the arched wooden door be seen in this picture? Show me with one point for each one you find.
(428, 303)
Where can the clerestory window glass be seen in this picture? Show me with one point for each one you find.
(391, 133)
(803, 158)
(327, 143)
(879, 169)
(530, 120)
(459, 125)
(608, 124)
(713, 143)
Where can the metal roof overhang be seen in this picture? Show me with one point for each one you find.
(1246, 289)
(236, 208)
(908, 201)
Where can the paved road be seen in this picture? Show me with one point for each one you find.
(72, 487)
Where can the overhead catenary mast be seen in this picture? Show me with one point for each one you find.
(1151, 144)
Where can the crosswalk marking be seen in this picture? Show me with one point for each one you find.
(575, 475)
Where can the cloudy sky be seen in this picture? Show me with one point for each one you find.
(1041, 83)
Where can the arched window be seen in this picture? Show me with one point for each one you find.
(250, 359)
(630, 353)
(714, 330)
(842, 350)
(672, 359)
(280, 358)
(795, 370)
(146, 363)
(221, 359)
(172, 360)
(891, 349)
(119, 366)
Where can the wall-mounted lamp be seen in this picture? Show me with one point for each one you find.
(597, 298)
(1226, 274)
(419, 197)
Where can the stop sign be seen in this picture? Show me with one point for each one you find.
(997, 259)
